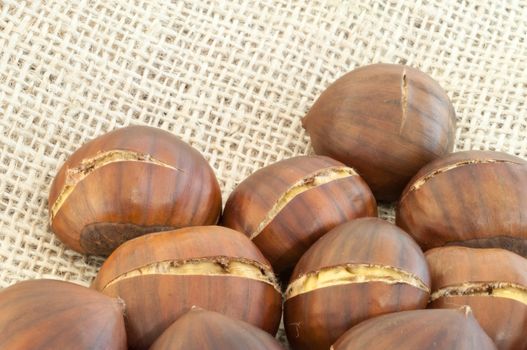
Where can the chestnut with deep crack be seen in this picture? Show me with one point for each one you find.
(161, 275)
(129, 182)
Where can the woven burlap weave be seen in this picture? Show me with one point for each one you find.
(232, 78)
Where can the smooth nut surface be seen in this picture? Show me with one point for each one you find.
(417, 330)
(361, 269)
(470, 198)
(385, 120)
(199, 329)
(160, 276)
(49, 314)
(493, 282)
(286, 206)
(129, 182)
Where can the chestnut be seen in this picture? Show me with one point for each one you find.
(417, 330)
(493, 282)
(161, 275)
(358, 270)
(49, 314)
(199, 329)
(386, 121)
(472, 198)
(286, 206)
(129, 182)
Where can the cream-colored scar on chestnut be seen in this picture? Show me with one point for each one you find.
(88, 165)
(352, 273)
(506, 290)
(210, 266)
(316, 179)
(425, 178)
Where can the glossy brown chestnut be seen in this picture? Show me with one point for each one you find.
(361, 269)
(471, 198)
(48, 314)
(493, 282)
(127, 183)
(160, 276)
(418, 330)
(199, 329)
(285, 207)
(385, 120)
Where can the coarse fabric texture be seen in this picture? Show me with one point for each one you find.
(232, 78)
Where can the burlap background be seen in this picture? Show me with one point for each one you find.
(232, 78)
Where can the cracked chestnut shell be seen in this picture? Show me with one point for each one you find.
(493, 282)
(385, 120)
(48, 314)
(129, 182)
(361, 269)
(471, 198)
(417, 330)
(200, 329)
(286, 206)
(160, 276)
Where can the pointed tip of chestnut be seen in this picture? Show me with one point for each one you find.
(200, 329)
(52, 314)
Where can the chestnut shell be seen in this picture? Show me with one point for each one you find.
(471, 198)
(306, 217)
(386, 121)
(155, 182)
(315, 320)
(199, 329)
(49, 314)
(504, 320)
(417, 330)
(155, 300)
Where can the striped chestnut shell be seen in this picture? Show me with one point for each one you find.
(361, 269)
(285, 207)
(416, 330)
(160, 276)
(200, 329)
(493, 282)
(129, 182)
(472, 198)
(385, 120)
(52, 314)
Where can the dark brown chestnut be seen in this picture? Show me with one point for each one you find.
(199, 329)
(285, 207)
(472, 198)
(385, 120)
(493, 282)
(160, 276)
(127, 183)
(418, 330)
(361, 269)
(49, 314)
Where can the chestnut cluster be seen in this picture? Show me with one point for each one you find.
(299, 238)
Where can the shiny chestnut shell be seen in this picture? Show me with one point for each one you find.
(286, 206)
(199, 329)
(315, 319)
(48, 314)
(160, 276)
(470, 198)
(487, 280)
(129, 182)
(418, 330)
(385, 120)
